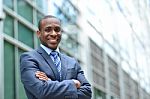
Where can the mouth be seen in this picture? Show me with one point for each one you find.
(53, 41)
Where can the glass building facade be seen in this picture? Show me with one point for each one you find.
(69, 16)
(118, 47)
(17, 35)
(113, 53)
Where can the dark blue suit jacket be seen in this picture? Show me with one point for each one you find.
(39, 60)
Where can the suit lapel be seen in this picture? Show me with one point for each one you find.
(49, 61)
(64, 66)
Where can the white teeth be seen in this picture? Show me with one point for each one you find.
(53, 41)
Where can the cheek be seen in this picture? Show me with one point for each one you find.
(59, 35)
(43, 38)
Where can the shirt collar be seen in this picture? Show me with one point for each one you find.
(48, 50)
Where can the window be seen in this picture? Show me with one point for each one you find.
(21, 91)
(25, 35)
(8, 3)
(69, 43)
(19, 11)
(39, 4)
(99, 94)
(25, 10)
(39, 16)
(9, 71)
(9, 23)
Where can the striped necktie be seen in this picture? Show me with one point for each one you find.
(56, 60)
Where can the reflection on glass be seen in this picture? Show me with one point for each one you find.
(8, 3)
(25, 10)
(9, 23)
(39, 16)
(9, 73)
(25, 33)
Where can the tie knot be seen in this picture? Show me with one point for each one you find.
(54, 53)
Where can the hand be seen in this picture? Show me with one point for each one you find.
(41, 75)
(77, 83)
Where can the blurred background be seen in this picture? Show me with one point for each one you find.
(110, 39)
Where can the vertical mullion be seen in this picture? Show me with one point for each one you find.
(16, 74)
(35, 23)
(1, 54)
(16, 90)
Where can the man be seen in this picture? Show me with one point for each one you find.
(48, 74)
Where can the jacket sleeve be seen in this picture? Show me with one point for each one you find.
(84, 92)
(45, 89)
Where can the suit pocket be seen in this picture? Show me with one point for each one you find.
(71, 73)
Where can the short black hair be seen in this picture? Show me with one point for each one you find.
(45, 17)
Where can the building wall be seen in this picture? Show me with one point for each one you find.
(119, 47)
(18, 35)
(105, 57)
(104, 36)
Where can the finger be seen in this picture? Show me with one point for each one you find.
(37, 75)
(37, 72)
(43, 78)
(42, 73)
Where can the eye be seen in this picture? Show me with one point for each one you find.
(48, 29)
(57, 29)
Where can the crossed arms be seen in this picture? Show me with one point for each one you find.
(41, 86)
(42, 76)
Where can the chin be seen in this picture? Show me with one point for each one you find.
(53, 47)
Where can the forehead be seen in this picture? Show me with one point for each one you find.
(50, 22)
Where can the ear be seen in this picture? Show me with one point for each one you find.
(38, 33)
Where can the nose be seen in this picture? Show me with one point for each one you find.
(53, 33)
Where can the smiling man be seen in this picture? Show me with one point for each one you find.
(48, 74)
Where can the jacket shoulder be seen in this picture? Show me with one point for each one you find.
(32, 53)
(67, 57)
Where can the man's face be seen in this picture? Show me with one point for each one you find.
(50, 33)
